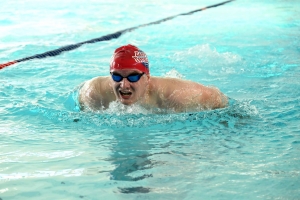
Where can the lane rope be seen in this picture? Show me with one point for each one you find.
(103, 38)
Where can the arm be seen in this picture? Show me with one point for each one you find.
(93, 94)
(87, 96)
(212, 98)
(185, 95)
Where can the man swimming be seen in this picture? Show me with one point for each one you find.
(130, 83)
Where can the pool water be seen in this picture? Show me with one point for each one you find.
(249, 150)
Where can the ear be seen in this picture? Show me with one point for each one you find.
(148, 77)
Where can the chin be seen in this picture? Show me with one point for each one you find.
(127, 103)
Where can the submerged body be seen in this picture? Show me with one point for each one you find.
(132, 84)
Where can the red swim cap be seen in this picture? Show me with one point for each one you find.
(129, 57)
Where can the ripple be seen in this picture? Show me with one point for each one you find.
(42, 174)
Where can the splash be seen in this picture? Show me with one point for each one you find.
(118, 109)
(123, 117)
(206, 57)
(173, 74)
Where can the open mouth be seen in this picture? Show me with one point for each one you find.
(125, 95)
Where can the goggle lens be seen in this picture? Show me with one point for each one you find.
(131, 78)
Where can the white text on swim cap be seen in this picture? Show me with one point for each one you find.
(140, 57)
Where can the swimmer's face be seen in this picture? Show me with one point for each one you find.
(129, 92)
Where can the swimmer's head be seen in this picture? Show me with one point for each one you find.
(129, 57)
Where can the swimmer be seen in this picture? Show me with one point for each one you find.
(130, 83)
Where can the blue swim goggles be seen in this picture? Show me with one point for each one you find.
(131, 78)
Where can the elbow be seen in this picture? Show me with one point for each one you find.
(219, 100)
(222, 101)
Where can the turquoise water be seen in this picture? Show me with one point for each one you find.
(249, 150)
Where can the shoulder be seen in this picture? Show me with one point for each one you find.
(93, 85)
(97, 82)
(169, 80)
(93, 92)
(171, 84)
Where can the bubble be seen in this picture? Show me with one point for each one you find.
(173, 74)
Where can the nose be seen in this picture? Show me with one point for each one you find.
(125, 83)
